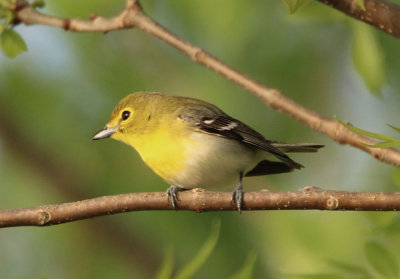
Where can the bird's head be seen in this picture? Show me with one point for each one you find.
(129, 118)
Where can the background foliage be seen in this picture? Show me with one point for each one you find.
(54, 97)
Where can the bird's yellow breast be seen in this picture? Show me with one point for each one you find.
(163, 151)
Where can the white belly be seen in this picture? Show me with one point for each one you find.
(214, 162)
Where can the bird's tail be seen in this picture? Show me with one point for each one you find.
(297, 147)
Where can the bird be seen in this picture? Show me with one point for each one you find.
(191, 143)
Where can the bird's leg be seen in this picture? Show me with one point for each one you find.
(172, 194)
(237, 194)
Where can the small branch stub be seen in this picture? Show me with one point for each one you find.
(332, 203)
(44, 217)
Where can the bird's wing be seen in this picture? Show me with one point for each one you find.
(297, 147)
(266, 167)
(212, 120)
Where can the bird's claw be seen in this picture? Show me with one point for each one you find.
(237, 197)
(172, 194)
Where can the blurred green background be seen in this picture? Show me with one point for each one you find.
(54, 97)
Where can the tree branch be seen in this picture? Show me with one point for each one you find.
(133, 16)
(382, 14)
(199, 200)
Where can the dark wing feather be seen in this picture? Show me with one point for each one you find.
(269, 167)
(214, 121)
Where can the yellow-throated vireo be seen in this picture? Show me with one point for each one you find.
(191, 143)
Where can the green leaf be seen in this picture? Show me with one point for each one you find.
(381, 259)
(6, 17)
(394, 128)
(4, 3)
(4, 13)
(12, 43)
(352, 269)
(387, 144)
(193, 266)
(167, 265)
(368, 57)
(364, 133)
(294, 5)
(246, 271)
(361, 3)
(38, 4)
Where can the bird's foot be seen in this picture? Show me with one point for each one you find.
(237, 197)
(172, 194)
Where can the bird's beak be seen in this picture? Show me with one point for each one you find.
(105, 133)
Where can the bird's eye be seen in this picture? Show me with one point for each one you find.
(125, 114)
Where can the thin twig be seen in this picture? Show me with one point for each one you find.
(199, 200)
(133, 16)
